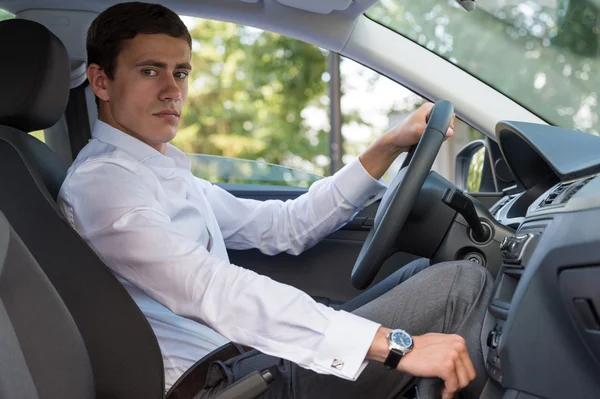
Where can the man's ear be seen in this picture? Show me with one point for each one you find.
(98, 81)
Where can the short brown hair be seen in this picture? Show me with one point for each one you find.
(121, 22)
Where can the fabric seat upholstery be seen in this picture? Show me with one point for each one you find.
(42, 353)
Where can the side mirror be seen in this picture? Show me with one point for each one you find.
(470, 162)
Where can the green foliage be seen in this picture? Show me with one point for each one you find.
(544, 57)
(475, 171)
(248, 89)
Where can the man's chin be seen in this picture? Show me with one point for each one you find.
(168, 135)
(165, 130)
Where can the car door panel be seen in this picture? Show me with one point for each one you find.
(324, 270)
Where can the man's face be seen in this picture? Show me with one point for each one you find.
(149, 88)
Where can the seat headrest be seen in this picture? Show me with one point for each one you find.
(34, 76)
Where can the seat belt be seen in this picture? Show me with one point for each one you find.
(77, 118)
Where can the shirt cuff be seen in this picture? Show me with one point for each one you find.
(357, 185)
(345, 346)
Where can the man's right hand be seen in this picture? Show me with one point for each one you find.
(440, 355)
(434, 355)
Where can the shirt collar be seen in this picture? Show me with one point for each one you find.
(136, 148)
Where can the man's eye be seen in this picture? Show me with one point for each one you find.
(181, 75)
(149, 72)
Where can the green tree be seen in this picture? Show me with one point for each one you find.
(248, 89)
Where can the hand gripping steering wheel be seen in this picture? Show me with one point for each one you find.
(400, 197)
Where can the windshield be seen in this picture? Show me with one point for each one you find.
(543, 54)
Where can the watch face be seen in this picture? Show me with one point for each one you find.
(401, 338)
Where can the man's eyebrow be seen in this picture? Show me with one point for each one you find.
(184, 65)
(160, 64)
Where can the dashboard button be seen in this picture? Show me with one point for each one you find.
(492, 339)
(513, 251)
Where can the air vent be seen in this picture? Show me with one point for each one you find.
(562, 193)
(495, 209)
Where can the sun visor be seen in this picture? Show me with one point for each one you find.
(71, 28)
(318, 6)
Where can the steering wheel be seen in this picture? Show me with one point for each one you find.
(400, 197)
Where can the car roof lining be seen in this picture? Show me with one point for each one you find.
(351, 8)
(63, 17)
(330, 30)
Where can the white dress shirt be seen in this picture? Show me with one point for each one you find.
(164, 233)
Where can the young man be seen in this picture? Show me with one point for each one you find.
(164, 233)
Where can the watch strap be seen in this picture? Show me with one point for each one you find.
(393, 358)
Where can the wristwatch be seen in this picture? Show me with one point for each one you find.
(400, 343)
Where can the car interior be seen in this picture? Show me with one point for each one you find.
(70, 330)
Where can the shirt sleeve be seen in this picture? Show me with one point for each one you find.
(116, 211)
(293, 226)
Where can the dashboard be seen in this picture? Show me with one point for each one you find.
(507, 212)
(544, 340)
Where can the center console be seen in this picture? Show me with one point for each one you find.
(544, 337)
(516, 251)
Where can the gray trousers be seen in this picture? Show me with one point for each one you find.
(450, 297)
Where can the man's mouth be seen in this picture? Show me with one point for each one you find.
(168, 114)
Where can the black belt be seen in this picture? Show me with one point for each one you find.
(192, 381)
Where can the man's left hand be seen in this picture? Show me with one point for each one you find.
(379, 156)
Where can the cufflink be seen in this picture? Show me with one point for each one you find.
(337, 364)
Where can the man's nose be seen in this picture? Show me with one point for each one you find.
(170, 90)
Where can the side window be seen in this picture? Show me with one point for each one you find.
(372, 103)
(258, 108)
(254, 96)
